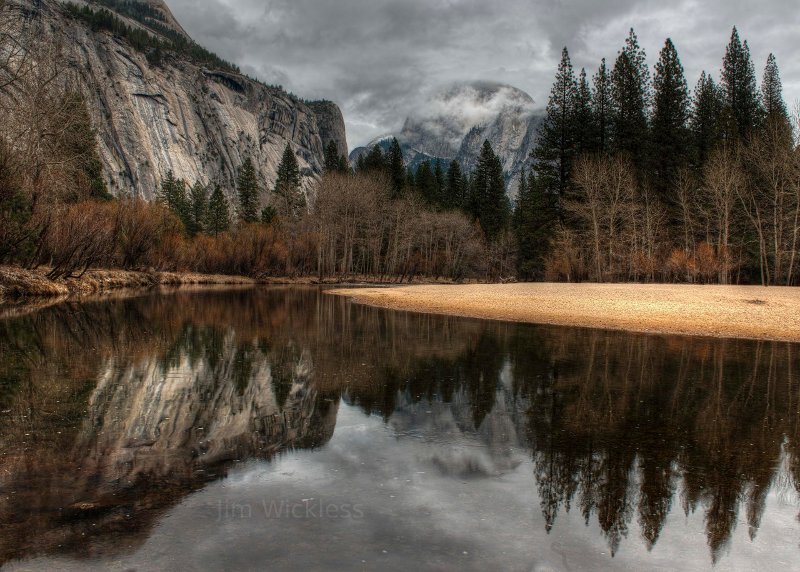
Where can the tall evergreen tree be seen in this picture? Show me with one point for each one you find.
(602, 105)
(396, 166)
(218, 218)
(411, 180)
(533, 220)
(198, 197)
(454, 188)
(173, 195)
(288, 196)
(670, 116)
(630, 90)
(333, 160)
(739, 88)
(248, 191)
(772, 92)
(583, 118)
(80, 145)
(426, 182)
(489, 203)
(438, 176)
(374, 160)
(705, 120)
(555, 147)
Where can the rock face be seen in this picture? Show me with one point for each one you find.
(177, 115)
(457, 121)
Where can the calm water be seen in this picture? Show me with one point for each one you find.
(282, 429)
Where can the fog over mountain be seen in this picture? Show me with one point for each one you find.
(458, 119)
(383, 59)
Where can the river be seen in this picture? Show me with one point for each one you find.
(282, 428)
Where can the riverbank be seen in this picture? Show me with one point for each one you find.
(33, 286)
(751, 312)
(19, 284)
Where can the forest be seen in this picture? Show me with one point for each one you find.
(644, 181)
(633, 179)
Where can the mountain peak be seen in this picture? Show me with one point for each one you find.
(456, 120)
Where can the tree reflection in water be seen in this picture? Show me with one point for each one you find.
(114, 411)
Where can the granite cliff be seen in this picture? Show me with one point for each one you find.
(161, 110)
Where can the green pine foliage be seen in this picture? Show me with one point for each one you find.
(669, 130)
(489, 203)
(288, 195)
(534, 220)
(739, 89)
(334, 162)
(161, 38)
(81, 144)
(772, 92)
(555, 149)
(174, 196)
(601, 108)
(583, 117)
(455, 186)
(374, 160)
(248, 191)
(396, 167)
(218, 218)
(705, 122)
(426, 183)
(198, 199)
(630, 92)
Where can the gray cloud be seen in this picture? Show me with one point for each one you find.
(379, 59)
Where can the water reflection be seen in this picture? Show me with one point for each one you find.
(114, 412)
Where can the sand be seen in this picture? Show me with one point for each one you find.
(751, 312)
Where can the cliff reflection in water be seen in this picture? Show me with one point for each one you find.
(114, 411)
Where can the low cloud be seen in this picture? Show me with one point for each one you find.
(382, 60)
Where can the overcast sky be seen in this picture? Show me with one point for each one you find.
(380, 59)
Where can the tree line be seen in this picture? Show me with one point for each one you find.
(152, 45)
(632, 178)
(636, 178)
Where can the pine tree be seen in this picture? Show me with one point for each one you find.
(601, 108)
(739, 89)
(332, 157)
(288, 195)
(534, 217)
(489, 203)
(344, 164)
(396, 166)
(705, 120)
(555, 147)
(218, 218)
(374, 160)
(772, 92)
(247, 188)
(173, 195)
(438, 177)
(198, 197)
(411, 180)
(630, 90)
(454, 187)
(670, 115)
(80, 146)
(583, 118)
(426, 182)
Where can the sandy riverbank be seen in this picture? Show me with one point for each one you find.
(721, 311)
